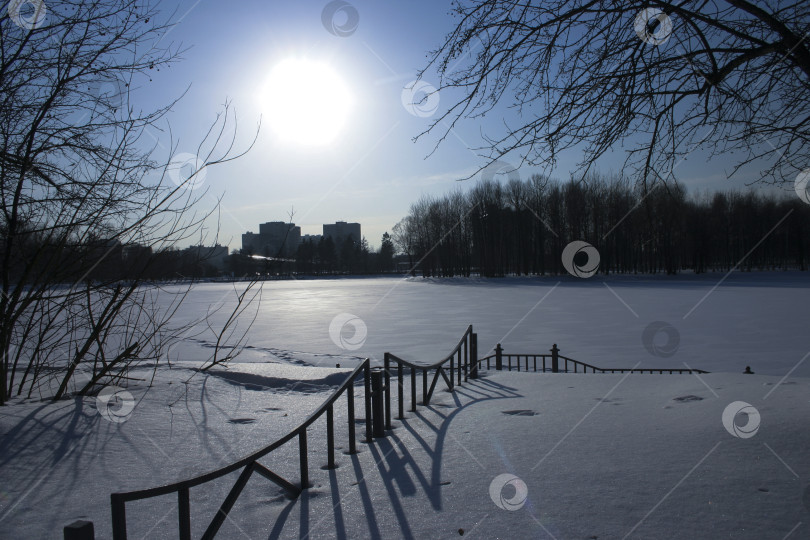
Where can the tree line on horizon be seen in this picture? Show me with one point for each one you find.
(520, 227)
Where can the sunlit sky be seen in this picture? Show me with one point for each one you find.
(359, 162)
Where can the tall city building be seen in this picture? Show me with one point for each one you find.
(341, 230)
(275, 238)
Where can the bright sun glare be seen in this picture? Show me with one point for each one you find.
(307, 101)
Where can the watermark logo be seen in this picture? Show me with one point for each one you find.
(508, 492)
(499, 168)
(752, 423)
(27, 14)
(653, 26)
(652, 341)
(340, 18)
(187, 170)
(800, 185)
(357, 331)
(573, 255)
(115, 404)
(108, 90)
(420, 98)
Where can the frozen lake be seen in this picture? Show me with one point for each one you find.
(750, 319)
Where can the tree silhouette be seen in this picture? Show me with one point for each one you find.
(664, 78)
(78, 184)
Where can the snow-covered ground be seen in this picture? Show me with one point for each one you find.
(600, 456)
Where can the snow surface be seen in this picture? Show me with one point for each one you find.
(602, 456)
(750, 319)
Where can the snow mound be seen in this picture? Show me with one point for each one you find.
(284, 377)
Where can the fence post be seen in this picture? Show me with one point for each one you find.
(330, 436)
(400, 397)
(367, 398)
(79, 530)
(555, 360)
(387, 390)
(473, 355)
(424, 386)
(413, 389)
(302, 458)
(377, 402)
(119, 517)
(350, 404)
(498, 359)
(466, 358)
(184, 513)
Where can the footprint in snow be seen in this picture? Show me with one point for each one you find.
(242, 420)
(521, 412)
(686, 399)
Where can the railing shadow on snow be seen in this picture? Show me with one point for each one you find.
(393, 466)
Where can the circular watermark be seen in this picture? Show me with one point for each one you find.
(499, 168)
(340, 18)
(115, 404)
(573, 255)
(652, 339)
(420, 98)
(187, 170)
(508, 492)
(109, 90)
(800, 185)
(356, 336)
(653, 26)
(27, 14)
(752, 422)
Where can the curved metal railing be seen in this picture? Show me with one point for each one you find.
(460, 362)
(250, 464)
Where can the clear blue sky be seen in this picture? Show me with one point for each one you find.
(372, 171)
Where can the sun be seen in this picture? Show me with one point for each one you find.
(307, 101)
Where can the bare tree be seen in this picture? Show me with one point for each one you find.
(80, 181)
(727, 76)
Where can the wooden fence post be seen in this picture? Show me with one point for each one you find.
(498, 359)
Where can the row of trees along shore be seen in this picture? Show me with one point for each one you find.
(522, 227)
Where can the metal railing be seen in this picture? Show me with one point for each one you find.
(250, 464)
(556, 361)
(459, 363)
(462, 362)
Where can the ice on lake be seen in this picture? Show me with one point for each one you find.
(706, 322)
